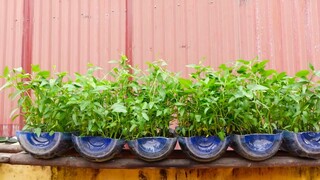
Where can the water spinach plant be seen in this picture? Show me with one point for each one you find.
(202, 108)
(256, 97)
(152, 101)
(42, 99)
(299, 109)
(98, 104)
(244, 97)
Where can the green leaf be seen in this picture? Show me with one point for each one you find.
(6, 71)
(52, 82)
(183, 131)
(43, 83)
(269, 72)
(158, 113)
(206, 110)
(14, 117)
(118, 107)
(74, 118)
(185, 82)
(51, 133)
(133, 126)
(302, 73)
(223, 67)
(311, 66)
(83, 105)
(44, 74)
(247, 94)
(113, 62)
(243, 61)
(35, 68)
(101, 88)
(145, 116)
(316, 126)
(221, 135)
(151, 104)
(192, 65)
(37, 131)
(317, 73)
(113, 124)
(198, 118)
(19, 70)
(145, 105)
(7, 84)
(13, 112)
(256, 87)
(179, 104)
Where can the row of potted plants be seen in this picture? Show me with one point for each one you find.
(243, 105)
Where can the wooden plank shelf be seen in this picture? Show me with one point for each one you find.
(176, 160)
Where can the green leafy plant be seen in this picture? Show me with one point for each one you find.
(300, 105)
(98, 106)
(127, 102)
(41, 99)
(151, 103)
(256, 97)
(203, 102)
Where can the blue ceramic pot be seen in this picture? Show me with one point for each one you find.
(97, 149)
(303, 144)
(152, 148)
(256, 147)
(204, 149)
(45, 146)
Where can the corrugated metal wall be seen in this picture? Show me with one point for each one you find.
(71, 33)
(184, 31)
(11, 28)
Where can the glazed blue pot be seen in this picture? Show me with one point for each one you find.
(204, 149)
(256, 147)
(45, 146)
(97, 149)
(303, 144)
(152, 148)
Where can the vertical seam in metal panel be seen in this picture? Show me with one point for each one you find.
(69, 35)
(270, 34)
(14, 54)
(120, 25)
(60, 34)
(141, 57)
(99, 18)
(128, 30)
(241, 53)
(152, 28)
(109, 29)
(237, 29)
(40, 51)
(14, 32)
(26, 58)
(257, 29)
(4, 61)
(79, 34)
(209, 35)
(163, 31)
(296, 40)
(281, 28)
(50, 35)
(88, 32)
(197, 31)
(186, 31)
(174, 35)
(308, 29)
